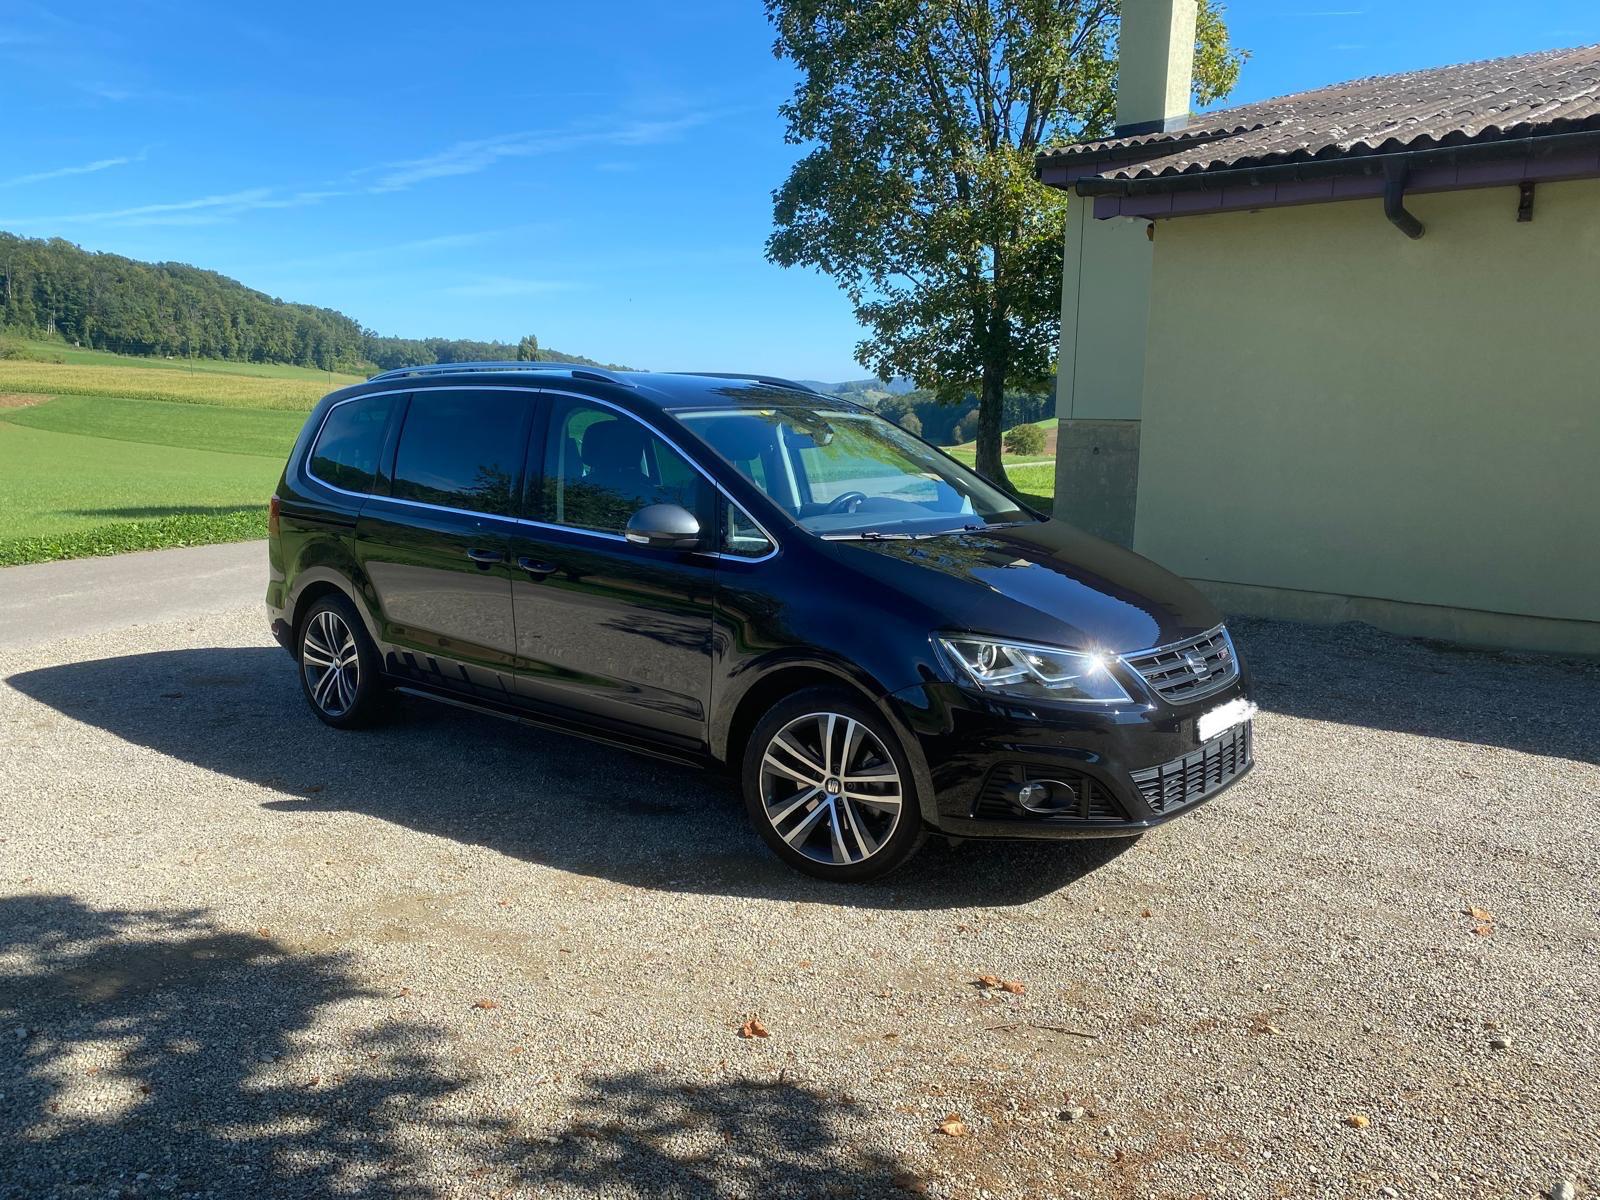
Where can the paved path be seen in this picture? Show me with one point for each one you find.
(45, 601)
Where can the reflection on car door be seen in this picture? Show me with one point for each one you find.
(436, 548)
(617, 631)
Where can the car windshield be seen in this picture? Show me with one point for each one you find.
(844, 473)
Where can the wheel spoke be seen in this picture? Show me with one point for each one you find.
(778, 818)
(314, 655)
(840, 854)
(888, 804)
(799, 833)
(784, 742)
(325, 685)
(851, 730)
(788, 772)
(886, 775)
(826, 722)
(869, 847)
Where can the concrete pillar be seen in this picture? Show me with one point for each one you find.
(1105, 316)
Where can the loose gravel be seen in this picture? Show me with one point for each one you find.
(245, 955)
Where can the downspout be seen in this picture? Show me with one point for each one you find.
(1395, 170)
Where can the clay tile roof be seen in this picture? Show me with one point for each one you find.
(1553, 91)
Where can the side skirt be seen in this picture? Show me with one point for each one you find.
(555, 724)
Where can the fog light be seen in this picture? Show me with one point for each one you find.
(1045, 795)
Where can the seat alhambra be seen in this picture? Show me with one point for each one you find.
(878, 643)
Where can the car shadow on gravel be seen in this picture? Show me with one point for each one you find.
(156, 1052)
(1355, 674)
(543, 797)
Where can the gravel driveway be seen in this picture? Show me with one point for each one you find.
(245, 955)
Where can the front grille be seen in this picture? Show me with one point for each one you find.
(1094, 801)
(1197, 774)
(1188, 670)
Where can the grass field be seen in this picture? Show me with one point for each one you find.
(1033, 475)
(103, 453)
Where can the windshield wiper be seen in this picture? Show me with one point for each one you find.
(872, 535)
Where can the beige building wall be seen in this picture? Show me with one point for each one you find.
(1333, 410)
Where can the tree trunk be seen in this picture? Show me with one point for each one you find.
(991, 413)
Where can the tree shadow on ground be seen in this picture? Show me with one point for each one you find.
(543, 797)
(166, 1055)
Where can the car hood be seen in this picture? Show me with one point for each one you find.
(1045, 581)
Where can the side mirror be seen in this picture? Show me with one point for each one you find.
(664, 526)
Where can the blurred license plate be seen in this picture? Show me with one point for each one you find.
(1220, 720)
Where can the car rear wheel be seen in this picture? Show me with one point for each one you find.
(339, 670)
(828, 787)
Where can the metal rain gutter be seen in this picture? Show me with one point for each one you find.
(1402, 162)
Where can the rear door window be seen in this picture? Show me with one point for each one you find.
(348, 445)
(462, 449)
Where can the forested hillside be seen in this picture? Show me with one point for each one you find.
(107, 302)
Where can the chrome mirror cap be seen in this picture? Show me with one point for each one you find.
(665, 527)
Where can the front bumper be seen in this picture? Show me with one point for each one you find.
(1124, 771)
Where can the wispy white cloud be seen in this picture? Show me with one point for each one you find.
(100, 164)
(416, 247)
(507, 285)
(479, 154)
(203, 210)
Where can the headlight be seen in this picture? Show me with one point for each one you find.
(1034, 672)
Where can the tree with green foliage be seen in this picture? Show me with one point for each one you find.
(910, 422)
(1024, 439)
(528, 349)
(918, 195)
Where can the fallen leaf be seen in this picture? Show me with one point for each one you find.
(954, 1126)
(503, 903)
(1146, 914)
(1483, 930)
(989, 981)
(1480, 914)
(263, 931)
(1012, 986)
(486, 1003)
(1358, 1121)
(753, 1029)
(403, 993)
(805, 962)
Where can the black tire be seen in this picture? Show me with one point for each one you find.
(335, 697)
(846, 831)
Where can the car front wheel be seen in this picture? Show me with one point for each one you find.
(828, 787)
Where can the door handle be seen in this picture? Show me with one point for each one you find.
(536, 568)
(485, 558)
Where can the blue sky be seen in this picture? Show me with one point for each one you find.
(598, 174)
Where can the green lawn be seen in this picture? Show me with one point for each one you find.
(264, 432)
(64, 495)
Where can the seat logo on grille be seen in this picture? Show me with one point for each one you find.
(1197, 665)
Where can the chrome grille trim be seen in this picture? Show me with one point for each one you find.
(1192, 669)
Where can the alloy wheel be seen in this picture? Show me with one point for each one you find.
(332, 662)
(830, 788)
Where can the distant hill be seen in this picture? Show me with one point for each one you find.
(52, 288)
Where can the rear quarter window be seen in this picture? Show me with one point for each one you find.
(347, 447)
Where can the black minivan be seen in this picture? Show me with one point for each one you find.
(741, 570)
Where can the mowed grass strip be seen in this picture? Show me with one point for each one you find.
(213, 387)
(266, 432)
(66, 495)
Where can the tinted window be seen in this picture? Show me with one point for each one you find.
(603, 466)
(462, 449)
(742, 536)
(347, 449)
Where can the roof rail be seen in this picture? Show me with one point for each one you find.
(575, 370)
(769, 380)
